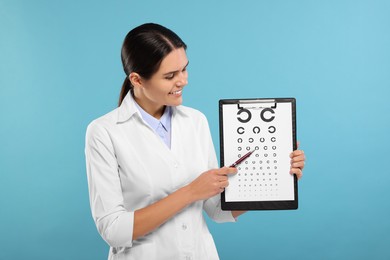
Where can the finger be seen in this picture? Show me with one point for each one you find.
(299, 165)
(298, 159)
(297, 172)
(227, 170)
(221, 178)
(224, 184)
(296, 153)
(221, 186)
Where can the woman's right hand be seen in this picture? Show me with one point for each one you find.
(210, 183)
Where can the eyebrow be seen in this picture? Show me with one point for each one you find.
(173, 72)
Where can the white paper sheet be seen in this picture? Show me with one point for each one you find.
(264, 176)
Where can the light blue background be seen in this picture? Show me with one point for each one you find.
(60, 68)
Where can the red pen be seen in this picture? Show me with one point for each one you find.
(242, 159)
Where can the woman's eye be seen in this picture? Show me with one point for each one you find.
(170, 76)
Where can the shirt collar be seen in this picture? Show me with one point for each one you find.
(126, 109)
(154, 123)
(165, 120)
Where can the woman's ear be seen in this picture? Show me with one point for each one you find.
(135, 79)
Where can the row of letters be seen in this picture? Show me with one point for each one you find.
(266, 117)
(256, 130)
(262, 140)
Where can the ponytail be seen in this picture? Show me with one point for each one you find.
(126, 87)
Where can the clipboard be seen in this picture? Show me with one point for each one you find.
(267, 126)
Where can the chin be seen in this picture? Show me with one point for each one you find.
(176, 102)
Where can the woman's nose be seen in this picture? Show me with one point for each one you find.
(183, 80)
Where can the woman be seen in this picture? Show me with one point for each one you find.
(151, 163)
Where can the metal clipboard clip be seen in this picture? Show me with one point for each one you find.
(256, 103)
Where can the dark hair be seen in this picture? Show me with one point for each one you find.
(143, 50)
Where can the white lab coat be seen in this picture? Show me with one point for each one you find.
(129, 167)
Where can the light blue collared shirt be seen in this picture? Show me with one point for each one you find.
(161, 127)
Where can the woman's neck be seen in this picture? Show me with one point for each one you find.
(155, 111)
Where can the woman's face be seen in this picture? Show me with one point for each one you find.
(165, 87)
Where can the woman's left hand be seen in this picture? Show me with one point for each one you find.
(297, 163)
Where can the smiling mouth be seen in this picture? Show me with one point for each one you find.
(177, 92)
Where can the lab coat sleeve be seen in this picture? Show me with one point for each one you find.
(212, 206)
(113, 221)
